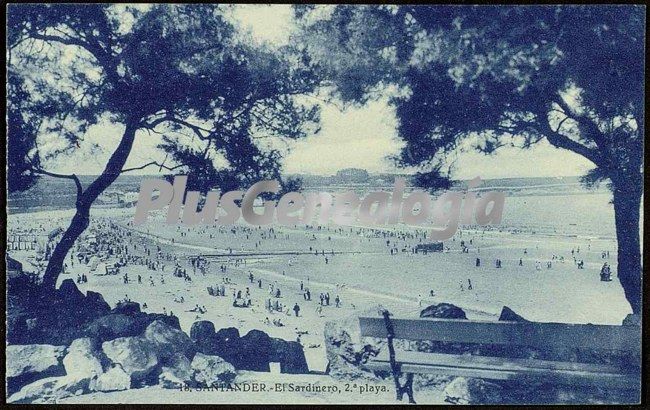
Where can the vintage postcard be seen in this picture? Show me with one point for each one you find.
(324, 204)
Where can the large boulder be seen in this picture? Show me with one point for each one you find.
(346, 352)
(114, 379)
(71, 308)
(126, 308)
(116, 325)
(632, 320)
(96, 302)
(26, 363)
(224, 342)
(50, 390)
(202, 330)
(443, 311)
(68, 293)
(202, 333)
(208, 370)
(112, 326)
(178, 372)
(169, 340)
(227, 335)
(84, 359)
(463, 390)
(58, 322)
(136, 355)
(226, 338)
(290, 355)
(17, 330)
(508, 315)
(252, 352)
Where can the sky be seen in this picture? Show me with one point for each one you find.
(359, 137)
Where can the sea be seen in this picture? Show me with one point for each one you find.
(553, 206)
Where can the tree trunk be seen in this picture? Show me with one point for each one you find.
(81, 219)
(627, 202)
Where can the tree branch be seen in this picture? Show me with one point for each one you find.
(562, 141)
(585, 121)
(160, 165)
(73, 177)
(103, 57)
(198, 131)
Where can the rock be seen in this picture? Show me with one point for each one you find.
(202, 330)
(26, 363)
(508, 315)
(71, 315)
(50, 390)
(290, 355)
(169, 340)
(226, 343)
(472, 391)
(116, 325)
(177, 373)
(346, 353)
(68, 293)
(112, 326)
(17, 330)
(84, 359)
(113, 380)
(137, 356)
(95, 301)
(227, 335)
(443, 311)
(632, 320)
(127, 308)
(251, 352)
(169, 380)
(202, 333)
(208, 370)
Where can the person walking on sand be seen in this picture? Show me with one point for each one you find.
(605, 273)
(296, 309)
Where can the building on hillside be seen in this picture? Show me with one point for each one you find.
(352, 175)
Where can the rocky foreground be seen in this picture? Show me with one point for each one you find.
(83, 346)
(78, 349)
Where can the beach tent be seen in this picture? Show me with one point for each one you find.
(54, 232)
(93, 263)
(429, 247)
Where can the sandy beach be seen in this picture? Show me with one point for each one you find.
(362, 272)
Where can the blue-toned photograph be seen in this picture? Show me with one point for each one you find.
(324, 204)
